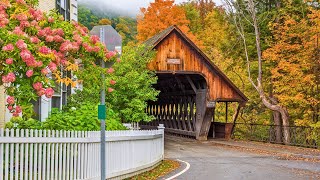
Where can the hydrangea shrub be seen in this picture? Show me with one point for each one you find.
(36, 49)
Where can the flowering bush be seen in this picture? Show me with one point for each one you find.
(36, 48)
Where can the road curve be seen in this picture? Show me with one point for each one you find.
(211, 161)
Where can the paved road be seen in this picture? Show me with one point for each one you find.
(211, 161)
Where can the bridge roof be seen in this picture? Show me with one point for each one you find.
(156, 40)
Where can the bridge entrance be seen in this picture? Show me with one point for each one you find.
(190, 85)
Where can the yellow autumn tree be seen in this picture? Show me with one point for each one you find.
(160, 15)
(295, 64)
(104, 21)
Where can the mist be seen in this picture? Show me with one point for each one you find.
(113, 8)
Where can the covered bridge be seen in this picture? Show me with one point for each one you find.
(190, 85)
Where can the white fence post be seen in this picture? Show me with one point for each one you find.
(161, 128)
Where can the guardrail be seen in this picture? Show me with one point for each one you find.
(299, 135)
(40, 154)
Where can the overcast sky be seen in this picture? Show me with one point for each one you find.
(132, 7)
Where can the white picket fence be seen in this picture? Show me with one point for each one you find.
(41, 155)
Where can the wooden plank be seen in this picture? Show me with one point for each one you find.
(179, 131)
(200, 110)
(177, 114)
(182, 113)
(188, 113)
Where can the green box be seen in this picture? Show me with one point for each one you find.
(102, 112)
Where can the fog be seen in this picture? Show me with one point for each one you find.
(120, 7)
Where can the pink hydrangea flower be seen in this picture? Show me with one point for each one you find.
(24, 24)
(57, 38)
(118, 60)
(15, 114)
(21, 44)
(34, 40)
(21, 17)
(110, 70)
(10, 100)
(8, 47)
(25, 55)
(21, 2)
(94, 39)
(36, 14)
(44, 50)
(39, 64)
(49, 92)
(50, 19)
(49, 38)
(96, 49)
(3, 22)
(37, 86)
(113, 82)
(52, 66)
(18, 109)
(29, 73)
(110, 54)
(34, 23)
(18, 31)
(10, 108)
(44, 71)
(110, 90)
(66, 46)
(10, 77)
(59, 32)
(28, 58)
(9, 61)
(41, 92)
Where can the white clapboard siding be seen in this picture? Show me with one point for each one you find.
(68, 155)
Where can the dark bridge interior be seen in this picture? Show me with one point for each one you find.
(176, 105)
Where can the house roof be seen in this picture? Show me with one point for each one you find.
(156, 39)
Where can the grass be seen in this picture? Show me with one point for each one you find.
(164, 168)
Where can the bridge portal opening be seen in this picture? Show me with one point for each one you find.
(179, 102)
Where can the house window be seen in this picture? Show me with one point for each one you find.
(63, 7)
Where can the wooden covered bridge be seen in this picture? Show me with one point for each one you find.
(190, 86)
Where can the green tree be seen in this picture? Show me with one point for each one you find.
(86, 17)
(133, 86)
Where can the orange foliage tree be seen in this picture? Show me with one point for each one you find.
(294, 56)
(160, 15)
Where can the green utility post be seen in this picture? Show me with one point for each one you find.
(102, 115)
(113, 41)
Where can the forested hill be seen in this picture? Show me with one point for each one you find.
(125, 25)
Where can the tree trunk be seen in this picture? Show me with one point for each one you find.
(283, 113)
(277, 123)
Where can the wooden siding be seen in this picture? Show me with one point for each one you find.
(173, 46)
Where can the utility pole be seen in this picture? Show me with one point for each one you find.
(113, 41)
(102, 115)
